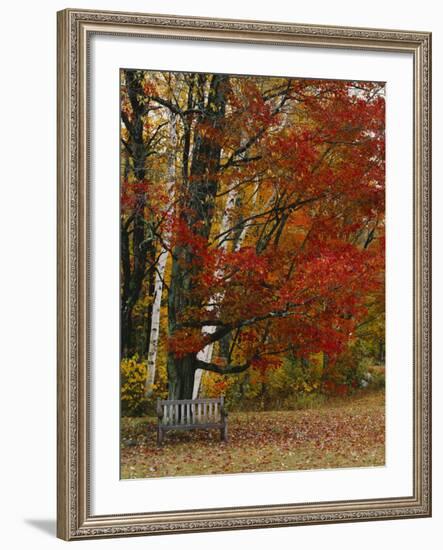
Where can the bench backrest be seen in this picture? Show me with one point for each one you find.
(190, 412)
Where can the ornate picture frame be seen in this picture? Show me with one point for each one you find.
(75, 516)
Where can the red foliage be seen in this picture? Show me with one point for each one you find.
(321, 186)
(184, 342)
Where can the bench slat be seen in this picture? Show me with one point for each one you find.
(189, 414)
(195, 401)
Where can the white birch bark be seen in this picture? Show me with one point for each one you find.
(161, 265)
(206, 353)
(241, 237)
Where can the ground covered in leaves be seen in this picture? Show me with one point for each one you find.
(342, 433)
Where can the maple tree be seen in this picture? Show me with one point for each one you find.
(253, 209)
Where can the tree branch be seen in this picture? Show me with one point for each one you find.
(229, 369)
(226, 328)
(168, 105)
(275, 209)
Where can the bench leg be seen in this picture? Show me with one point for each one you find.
(159, 436)
(224, 432)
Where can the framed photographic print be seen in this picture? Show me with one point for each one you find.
(243, 274)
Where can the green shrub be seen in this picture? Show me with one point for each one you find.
(376, 378)
(132, 386)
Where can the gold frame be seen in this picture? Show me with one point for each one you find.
(74, 520)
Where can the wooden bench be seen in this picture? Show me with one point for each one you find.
(191, 414)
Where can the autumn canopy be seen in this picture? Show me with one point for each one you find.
(252, 221)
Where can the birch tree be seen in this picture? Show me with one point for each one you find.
(161, 263)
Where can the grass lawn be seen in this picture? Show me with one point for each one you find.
(341, 433)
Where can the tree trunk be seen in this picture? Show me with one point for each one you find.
(197, 206)
(142, 248)
(155, 324)
(381, 352)
(132, 279)
(206, 353)
(181, 372)
(161, 265)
